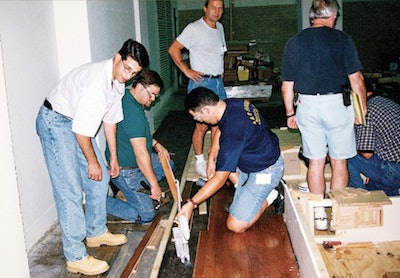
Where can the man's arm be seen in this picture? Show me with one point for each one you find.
(94, 168)
(143, 159)
(206, 191)
(175, 52)
(213, 151)
(110, 132)
(358, 87)
(288, 100)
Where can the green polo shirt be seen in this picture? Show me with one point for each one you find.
(134, 125)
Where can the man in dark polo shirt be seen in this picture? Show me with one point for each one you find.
(249, 155)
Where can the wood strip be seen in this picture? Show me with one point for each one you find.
(139, 250)
(169, 175)
(203, 208)
(155, 238)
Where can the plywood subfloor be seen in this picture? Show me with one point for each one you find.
(379, 260)
(265, 249)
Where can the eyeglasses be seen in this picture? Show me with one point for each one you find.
(128, 69)
(151, 95)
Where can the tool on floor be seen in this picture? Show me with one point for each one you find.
(181, 232)
(330, 244)
(164, 198)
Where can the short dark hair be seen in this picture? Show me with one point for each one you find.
(136, 51)
(207, 1)
(200, 97)
(148, 77)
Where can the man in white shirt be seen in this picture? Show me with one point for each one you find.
(205, 40)
(68, 121)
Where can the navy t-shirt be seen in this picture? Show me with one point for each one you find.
(246, 141)
(319, 60)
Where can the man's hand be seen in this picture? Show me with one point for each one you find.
(292, 122)
(94, 171)
(114, 169)
(194, 75)
(155, 192)
(186, 210)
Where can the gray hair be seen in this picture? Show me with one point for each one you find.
(324, 9)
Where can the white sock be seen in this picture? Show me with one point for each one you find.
(199, 158)
(272, 196)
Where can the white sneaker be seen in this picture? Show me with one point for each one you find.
(320, 219)
(303, 187)
(201, 169)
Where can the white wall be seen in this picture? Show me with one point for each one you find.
(11, 235)
(31, 69)
(40, 41)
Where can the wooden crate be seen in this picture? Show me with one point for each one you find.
(306, 244)
(356, 208)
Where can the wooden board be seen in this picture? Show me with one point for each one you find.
(351, 197)
(169, 175)
(139, 250)
(373, 261)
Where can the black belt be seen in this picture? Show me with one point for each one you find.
(320, 94)
(128, 168)
(47, 104)
(211, 76)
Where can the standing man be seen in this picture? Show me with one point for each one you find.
(317, 62)
(68, 121)
(205, 40)
(134, 149)
(249, 155)
(378, 146)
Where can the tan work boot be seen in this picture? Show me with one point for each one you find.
(106, 239)
(88, 266)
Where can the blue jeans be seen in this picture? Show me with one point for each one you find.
(214, 84)
(253, 189)
(383, 175)
(67, 167)
(138, 203)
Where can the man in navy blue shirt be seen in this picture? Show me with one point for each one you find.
(249, 155)
(317, 62)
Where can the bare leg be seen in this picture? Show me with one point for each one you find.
(315, 176)
(198, 137)
(340, 174)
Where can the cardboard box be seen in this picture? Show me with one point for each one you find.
(295, 169)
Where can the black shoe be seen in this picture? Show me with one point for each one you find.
(279, 202)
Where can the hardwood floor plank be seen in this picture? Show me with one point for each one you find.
(264, 249)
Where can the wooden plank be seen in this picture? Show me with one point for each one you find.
(362, 259)
(139, 250)
(169, 175)
(203, 208)
(352, 197)
(155, 238)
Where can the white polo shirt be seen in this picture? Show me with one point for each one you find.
(89, 96)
